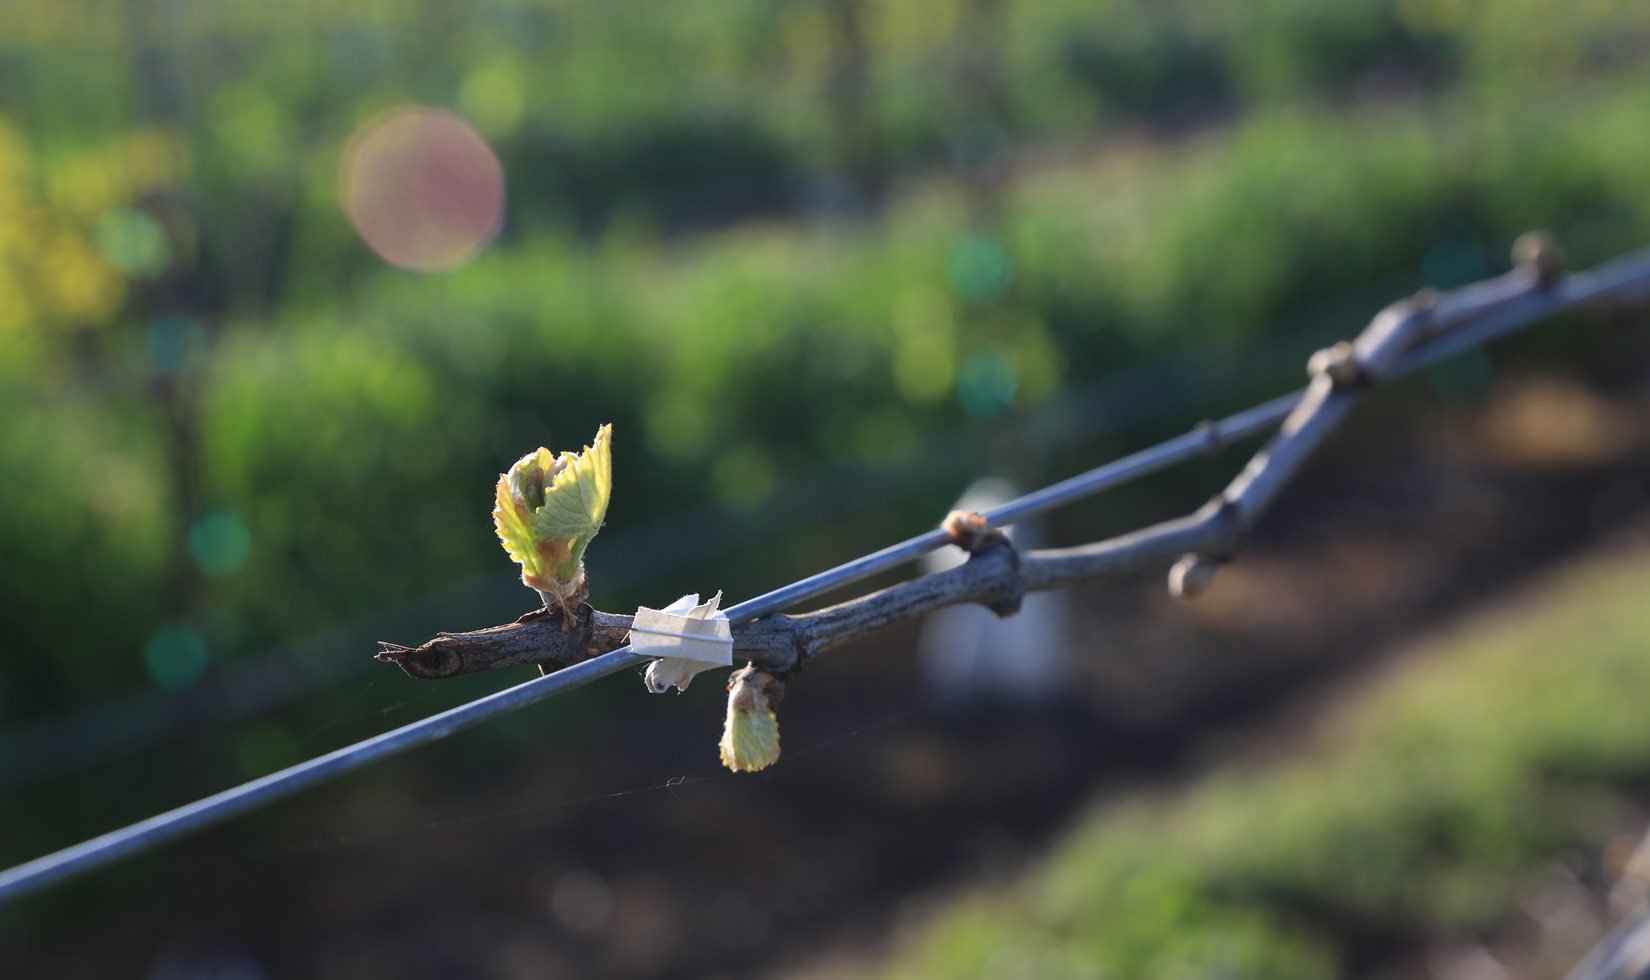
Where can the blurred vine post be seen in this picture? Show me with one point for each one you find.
(970, 654)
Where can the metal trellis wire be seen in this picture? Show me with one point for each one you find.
(1458, 320)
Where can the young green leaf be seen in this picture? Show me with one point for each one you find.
(546, 510)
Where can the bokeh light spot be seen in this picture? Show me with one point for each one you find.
(134, 242)
(220, 544)
(422, 188)
(175, 344)
(492, 96)
(175, 658)
(979, 269)
(987, 384)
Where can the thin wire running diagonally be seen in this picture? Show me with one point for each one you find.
(1623, 954)
(1462, 319)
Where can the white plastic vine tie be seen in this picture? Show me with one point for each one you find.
(686, 637)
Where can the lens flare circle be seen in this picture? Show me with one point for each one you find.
(421, 188)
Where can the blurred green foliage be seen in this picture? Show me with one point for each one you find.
(761, 236)
(1419, 817)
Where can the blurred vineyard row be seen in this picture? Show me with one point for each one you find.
(758, 235)
(1462, 805)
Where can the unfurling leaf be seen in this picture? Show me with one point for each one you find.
(750, 737)
(546, 510)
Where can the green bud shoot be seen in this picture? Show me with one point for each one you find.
(547, 509)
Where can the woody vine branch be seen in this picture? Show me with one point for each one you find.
(1420, 331)
(1412, 332)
